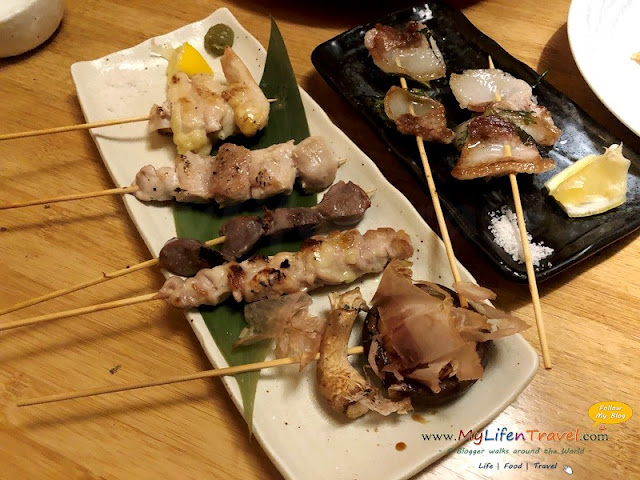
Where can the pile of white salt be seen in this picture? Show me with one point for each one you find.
(504, 228)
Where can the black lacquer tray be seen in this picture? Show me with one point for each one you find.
(345, 64)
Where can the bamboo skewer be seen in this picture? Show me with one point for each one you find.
(444, 231)
(531, 275)
(216, 372)
(79, 311)
(77, 196)
(81, 126)
(95, 281)
(70, 128)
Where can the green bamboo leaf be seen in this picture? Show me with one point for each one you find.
(287, 121)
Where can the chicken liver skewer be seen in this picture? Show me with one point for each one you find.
(197, 252)
(343, 204)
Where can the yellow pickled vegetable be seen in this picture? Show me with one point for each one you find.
(187, 59)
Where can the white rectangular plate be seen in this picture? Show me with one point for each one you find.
(299, 433)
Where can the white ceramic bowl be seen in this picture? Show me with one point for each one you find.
(25, 24)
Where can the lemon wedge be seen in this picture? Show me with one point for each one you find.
(593, 184)
(187, 59)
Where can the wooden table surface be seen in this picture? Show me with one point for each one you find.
(193, 430)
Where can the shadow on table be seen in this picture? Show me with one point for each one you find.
(333, 12)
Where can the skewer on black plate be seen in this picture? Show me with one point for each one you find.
(442, 224)
(531, 275)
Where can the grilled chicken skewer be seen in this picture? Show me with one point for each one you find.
(203, 107)
(343, 204)
(340, 257)
(235, 175)
(199, 108)
(82, 126)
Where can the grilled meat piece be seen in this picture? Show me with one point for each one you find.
(241, 234)
(199, 108)
(418, 115)
(483, 154)
(285, 220)
(479, 90)
(407, 52)
(344, 204)
(186, 256)
(315, 163)
(250, 106)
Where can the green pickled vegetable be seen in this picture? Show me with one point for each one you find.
(217, 38)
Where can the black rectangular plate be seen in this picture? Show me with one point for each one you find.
(345, 64)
